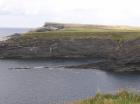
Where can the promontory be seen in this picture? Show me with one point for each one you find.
(118, 46)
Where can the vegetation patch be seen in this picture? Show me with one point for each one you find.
(121, 97)
(115, 35)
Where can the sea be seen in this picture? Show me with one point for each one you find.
(47, 81)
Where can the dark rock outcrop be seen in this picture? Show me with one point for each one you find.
(118, 56)
(61, 48)
(54, 25)
(49, 27)
(122, 57)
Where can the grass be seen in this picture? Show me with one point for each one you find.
(100, 29)
(74, 33)
(122, 97)
(79, 35)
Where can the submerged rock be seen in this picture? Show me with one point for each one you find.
(20, 68)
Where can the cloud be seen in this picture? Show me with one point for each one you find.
(76, 11)
(17, 7)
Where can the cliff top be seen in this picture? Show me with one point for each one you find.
(78, 31)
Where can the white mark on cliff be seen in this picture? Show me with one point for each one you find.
(53, 46)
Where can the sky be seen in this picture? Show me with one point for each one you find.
(34, 13)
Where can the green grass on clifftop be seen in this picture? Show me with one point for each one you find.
(122, 97)
(79, 34)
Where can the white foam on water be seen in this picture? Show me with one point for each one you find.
(39, 67)
(4, 38)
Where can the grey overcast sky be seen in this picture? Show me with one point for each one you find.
(33, 13)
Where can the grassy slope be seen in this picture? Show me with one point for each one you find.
(123, 97)
(81, 33)
(126, 35)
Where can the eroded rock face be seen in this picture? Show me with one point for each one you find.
(106, 48)
(61, 48)
(119, 55)
(122, 57)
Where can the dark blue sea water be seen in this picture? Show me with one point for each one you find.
(48, 82)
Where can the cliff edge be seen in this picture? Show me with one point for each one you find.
(120, 48)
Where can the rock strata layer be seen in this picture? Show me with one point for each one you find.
(117, 54)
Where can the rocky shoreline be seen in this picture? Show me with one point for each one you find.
(119, 55)
(110, 66)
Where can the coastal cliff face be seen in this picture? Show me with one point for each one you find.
(60, 48)
(115, 52)
(119, 52)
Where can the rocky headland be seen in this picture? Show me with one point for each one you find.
(118, 47)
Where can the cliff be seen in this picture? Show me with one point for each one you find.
(120, 49)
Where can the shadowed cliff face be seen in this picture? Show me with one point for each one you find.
(60, 48)
(115, 52)
(118, 56)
